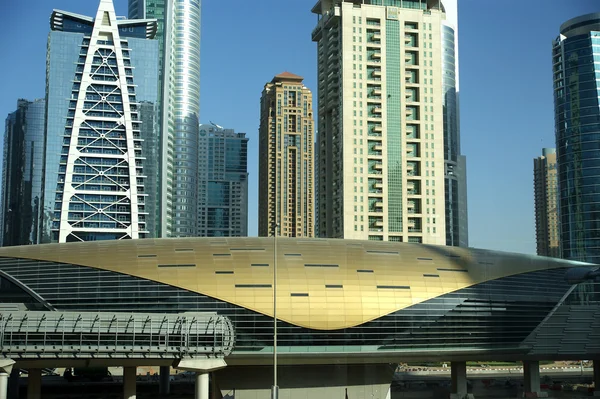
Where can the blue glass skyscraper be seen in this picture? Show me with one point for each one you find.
(178, 34)
(102, 78)
(222, 182)
(576, 69)
(22, 174)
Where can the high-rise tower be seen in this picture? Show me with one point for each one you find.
(577, 127)
(286, 193)
(178, 34)
(388, 122)
(546, 204)
(99, 72)
(22, 175)
(222, 182)
(455, 164)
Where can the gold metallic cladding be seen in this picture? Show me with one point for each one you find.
(359, 300)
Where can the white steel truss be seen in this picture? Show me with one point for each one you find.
(100, 194)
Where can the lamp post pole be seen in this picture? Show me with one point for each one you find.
(275, 387)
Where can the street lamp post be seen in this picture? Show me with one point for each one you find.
(275, 387)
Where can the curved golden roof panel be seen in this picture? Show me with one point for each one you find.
(322, 284)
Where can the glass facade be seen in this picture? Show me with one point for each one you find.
(455, 164)
(178, 33)
(494, 315)
(576, 60)
(394, 124)
(222, 183)
(61, 62)
(22, 174)
(99, 190)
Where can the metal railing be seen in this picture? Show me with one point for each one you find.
(28, 334)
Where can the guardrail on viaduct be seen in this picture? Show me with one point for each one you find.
(78, 335)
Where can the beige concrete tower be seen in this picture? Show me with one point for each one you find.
(285, 193)
(380, 148)
(546, 204)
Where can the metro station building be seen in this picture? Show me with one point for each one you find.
(348, 310)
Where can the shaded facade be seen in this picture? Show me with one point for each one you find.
(575, 65)
(94, 132)
(222, 182)
(545, 193)
(388, 136)
(286, 191)
(23, 174)
(178, 34)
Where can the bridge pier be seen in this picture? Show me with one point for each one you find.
(164, 382)
(34, 383)
(201, 367)
(597, 377)
(13, 383)
(201, 388)
(458, 373)
(531, 380)
(129, 381)
(6, 366)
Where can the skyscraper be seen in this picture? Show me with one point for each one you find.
(546, 204)
(455, 168)
(388, 140)
(22, 174)
(577, 127)
(99, 73)
(285, 196)
(178, 34)
(222, 182)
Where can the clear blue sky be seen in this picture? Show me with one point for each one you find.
(505, 77)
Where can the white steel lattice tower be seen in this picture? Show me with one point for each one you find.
(100, 191)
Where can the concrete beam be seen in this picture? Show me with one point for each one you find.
(129, 382)
(83, 362)
(200, 365)
(34, 383)
(6, 365)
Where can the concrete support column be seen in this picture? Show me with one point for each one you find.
(201, 388)
(13, 383)
(129, 379)
(458, 373)
(6, 367)
(597, 377)
(3, 384)
(34, 384)
(531, 379)
(164, 382)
